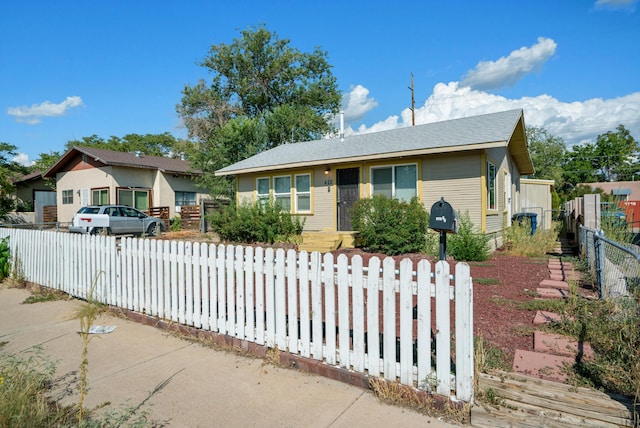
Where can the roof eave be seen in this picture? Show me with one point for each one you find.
(401, 154)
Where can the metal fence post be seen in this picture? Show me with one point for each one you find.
(599, 257)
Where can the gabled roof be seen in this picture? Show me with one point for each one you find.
(131, 160)
(504, 129)
(35, 175)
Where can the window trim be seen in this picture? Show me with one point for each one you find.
(99, 189)
(263, 197)
(175, 197)
(295, 206)
(492, 190)
(68, 197)
(393, 177)
(289, 193)
(133, 190)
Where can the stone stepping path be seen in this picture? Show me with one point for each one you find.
(552, 353)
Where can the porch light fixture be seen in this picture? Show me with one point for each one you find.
(327, 170)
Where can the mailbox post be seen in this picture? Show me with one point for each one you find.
(444, 219)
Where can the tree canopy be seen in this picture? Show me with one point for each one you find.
(9, 172)
(150, 144)
(263, 93)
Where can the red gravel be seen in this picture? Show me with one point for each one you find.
(498, 284)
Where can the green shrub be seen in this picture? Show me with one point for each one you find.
(176, 224)
(5, 258)
(467, 244)
(390, 226)
(256, 222)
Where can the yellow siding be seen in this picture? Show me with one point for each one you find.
(457, 179)
(323, 199)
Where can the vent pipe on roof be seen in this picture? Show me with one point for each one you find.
(342, 125)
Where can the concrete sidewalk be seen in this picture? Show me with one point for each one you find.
(194, 386)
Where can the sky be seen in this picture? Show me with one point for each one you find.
(74, 68)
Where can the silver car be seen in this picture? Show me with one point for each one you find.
(122, 220)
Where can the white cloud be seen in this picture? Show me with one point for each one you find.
(575, 122)
(616, 4)
(22, 159)
(508, 70)
(32, 115)
(356, 103)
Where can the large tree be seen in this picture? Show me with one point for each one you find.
(150, 144)
(263, 92)
(547, 153)
(613, 157)
(9, 172)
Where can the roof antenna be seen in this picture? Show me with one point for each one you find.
(413, 103)
(341, 125)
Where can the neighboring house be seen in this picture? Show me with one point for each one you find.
(475, 163)
(621, 190)
(90, 176)
(33, 193)
(627, 196)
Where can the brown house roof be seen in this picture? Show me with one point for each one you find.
(131, 160)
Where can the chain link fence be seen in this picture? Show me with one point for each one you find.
(615, 266)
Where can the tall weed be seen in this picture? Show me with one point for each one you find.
(520, 241)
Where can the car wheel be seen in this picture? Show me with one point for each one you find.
(154, 229)
(100, 231)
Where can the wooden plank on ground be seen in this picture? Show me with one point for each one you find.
(562, 403)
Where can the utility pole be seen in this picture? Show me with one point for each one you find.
(413, 103)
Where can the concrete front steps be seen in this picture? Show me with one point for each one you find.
(326, 241)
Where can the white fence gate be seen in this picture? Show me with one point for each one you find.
(376, 320)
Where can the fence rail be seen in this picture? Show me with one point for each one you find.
(380, 320)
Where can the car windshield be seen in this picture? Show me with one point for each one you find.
(89, 210)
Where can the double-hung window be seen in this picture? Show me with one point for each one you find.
(183, 199)
(491, 187)
(303, 193)
(67, 197)
(263, 187)
(282, 191)
(99, 196)
(399, 181)
(134, 198)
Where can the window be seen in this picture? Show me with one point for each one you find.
(491, 186)
(134, 198)
(400, 182)
(67, 197)
(263, 188)
(303, 193)
(99, 196)
(282, 192)
(185, 198)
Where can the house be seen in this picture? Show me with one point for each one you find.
(90, 176)
(35, 199)
(626, 195)
(475, 163)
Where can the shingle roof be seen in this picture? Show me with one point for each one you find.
(114, 158)
(457, 134)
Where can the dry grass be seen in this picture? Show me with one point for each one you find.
(420, 401)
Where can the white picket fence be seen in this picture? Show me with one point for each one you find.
(375, 320)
